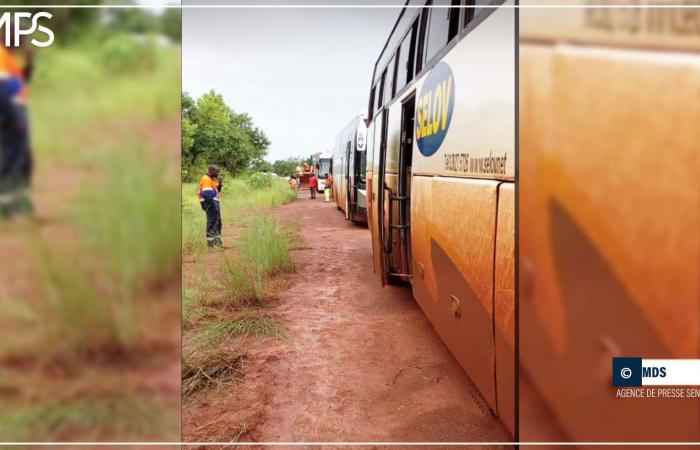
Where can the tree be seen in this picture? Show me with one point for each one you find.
(261, 165)
(171, 24)
(212, 133)
(133, 20)
(286, 167)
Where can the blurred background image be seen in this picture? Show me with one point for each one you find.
(609, 252)
(90, 229)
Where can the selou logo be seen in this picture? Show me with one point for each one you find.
(434, 110)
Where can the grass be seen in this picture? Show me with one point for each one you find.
(125, 214)
(129, 237)
(108, 242)
(253, 324)
(212, 368)
(93, 418)
(263, 251)
(238, 202)
(224, 308)
(79, 104)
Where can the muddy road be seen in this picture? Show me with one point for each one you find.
(364, 364)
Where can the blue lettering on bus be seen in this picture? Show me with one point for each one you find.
(434, 109)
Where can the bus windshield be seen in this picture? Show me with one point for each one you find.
(324, 168)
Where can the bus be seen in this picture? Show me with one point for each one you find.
(350, 169)
(323, 165)
(609, 255)
(441, 180)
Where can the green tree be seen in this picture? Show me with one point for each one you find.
(171, 24)
(286, 167)
(133, 20)
(215, 134)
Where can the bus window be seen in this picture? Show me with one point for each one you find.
(380, 92)
(363, 166)
(443, 26)
(372, 102)
(389, 81)
(420, 38)
(473, 13)
(404, 67)
(468, 12)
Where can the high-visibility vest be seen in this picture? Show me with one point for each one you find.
(11, 70)
(208, 187)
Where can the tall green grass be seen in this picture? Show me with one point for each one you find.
(102, 245)
(81, 106)
(129, 236)
(258, 249)
(263, 250)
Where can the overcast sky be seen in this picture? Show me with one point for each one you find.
(302, 74)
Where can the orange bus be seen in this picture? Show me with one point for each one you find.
(609, 206)
(441, 180)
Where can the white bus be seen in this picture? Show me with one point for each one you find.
(324, 166)
(350, 170)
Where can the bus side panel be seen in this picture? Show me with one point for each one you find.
(609, 219)
(504, 305)
(458, 250)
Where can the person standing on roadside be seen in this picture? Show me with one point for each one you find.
(313, 185)
(328, 187)
(293, 184)
(209, 191)
(16, 64)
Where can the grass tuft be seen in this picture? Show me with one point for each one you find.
(201, 370)
(90, 418)
(252, 324)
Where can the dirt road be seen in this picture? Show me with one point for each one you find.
(364, 363)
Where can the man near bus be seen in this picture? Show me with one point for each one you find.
(328, 187)
(209, 190)
(313, 185)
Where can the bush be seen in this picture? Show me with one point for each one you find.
(129, 53)
(259, 180)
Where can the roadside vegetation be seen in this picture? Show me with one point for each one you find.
(89, 290)
(226, 292)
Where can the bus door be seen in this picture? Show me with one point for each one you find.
(395, 212)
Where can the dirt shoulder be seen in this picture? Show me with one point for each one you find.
(364, 364)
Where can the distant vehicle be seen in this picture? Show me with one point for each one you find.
(323, 164)
(350, 169)
(441, 180)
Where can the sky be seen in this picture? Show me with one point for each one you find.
(302, 74)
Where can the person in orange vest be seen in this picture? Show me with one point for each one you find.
(209, 191)
(328, 187)
(15, 154)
